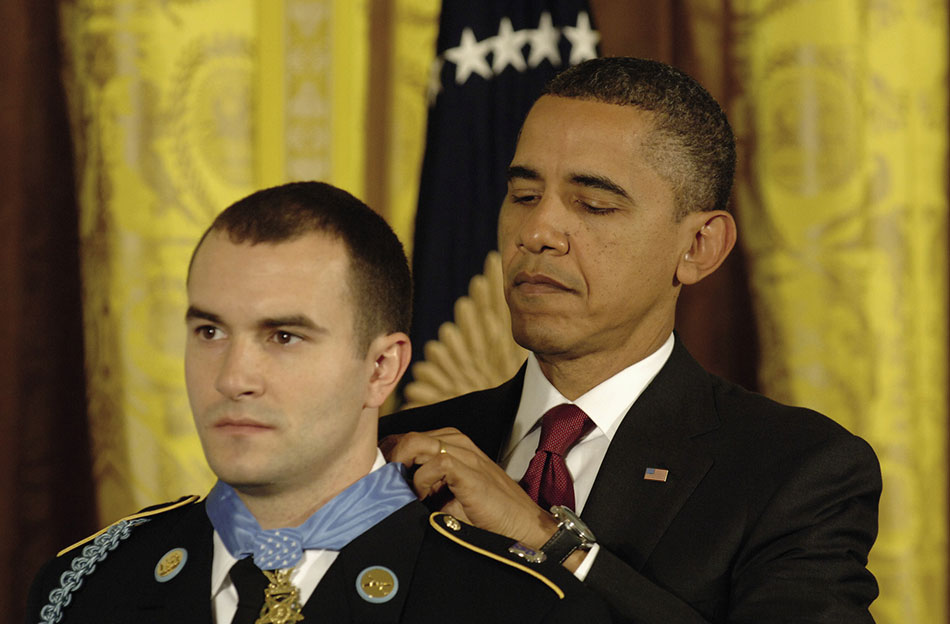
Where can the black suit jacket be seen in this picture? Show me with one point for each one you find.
(767, 515)
(441, 578)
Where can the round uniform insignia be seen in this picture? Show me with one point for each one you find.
(377, 584)
(452, 523)
(170, 564)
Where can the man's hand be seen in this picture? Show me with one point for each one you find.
(484, 495)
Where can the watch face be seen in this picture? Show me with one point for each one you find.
(573, 523)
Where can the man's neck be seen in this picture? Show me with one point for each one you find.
(575, 376)
(290, 507)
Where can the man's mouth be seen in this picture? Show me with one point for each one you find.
(538, 283)
(239, 424)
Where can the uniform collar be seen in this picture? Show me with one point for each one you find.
(223, 560)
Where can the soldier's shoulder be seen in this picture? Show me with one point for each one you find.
(100, 567)
(123, 527)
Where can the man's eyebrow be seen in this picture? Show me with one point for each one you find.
(195, 313)
(292, 320)
(599, 182)
(523, 173)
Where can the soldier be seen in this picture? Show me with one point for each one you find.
(298, 310)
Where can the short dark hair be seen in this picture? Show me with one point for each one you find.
(694, 147)
(379, 278)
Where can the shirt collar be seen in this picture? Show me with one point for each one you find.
(606, 404)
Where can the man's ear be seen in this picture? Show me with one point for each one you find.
(390, 354)
(713, 237)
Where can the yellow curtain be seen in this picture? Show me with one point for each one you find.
(842, 122)
(179, 108)
(415, 25)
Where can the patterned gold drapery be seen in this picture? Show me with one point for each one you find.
(162, 126)
(842, 196)
(179, 108)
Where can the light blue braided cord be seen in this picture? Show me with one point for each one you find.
(84, 565)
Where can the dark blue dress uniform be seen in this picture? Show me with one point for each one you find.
(156, 567)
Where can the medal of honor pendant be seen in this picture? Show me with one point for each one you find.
(281, 599)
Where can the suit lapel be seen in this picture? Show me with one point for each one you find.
(337, 599)
(490, 414)
(187, 596)
(628, 513)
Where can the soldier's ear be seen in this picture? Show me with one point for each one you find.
(712, 237)
(390, 356)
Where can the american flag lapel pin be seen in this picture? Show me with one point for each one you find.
(656, 474)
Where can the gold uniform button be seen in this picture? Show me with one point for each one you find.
(377, 584)
(170, 564)
(452, 523)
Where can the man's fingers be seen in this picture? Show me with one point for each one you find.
(418, 447)
(433, 474)
(453, 437)
(409, 448)
(387, 444)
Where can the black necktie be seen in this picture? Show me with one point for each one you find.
(250, 583)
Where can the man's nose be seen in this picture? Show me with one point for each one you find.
(544, 228)
(240, 375)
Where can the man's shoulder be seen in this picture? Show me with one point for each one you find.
(493, 572)
(751, 427)
(123, 528)
(758, 413)
(784, 443)
(455, 411)
(103, 562)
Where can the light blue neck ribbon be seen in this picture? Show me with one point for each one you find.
(346, 516)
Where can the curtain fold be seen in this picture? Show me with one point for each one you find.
(843, 204)
(408, 59)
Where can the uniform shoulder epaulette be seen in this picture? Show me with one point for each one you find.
(145, 513)
(485, 543)
(95, 549)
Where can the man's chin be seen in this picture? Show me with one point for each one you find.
(242, 476)
(539, 339)
(251, 487)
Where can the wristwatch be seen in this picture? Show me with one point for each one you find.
(572, 534)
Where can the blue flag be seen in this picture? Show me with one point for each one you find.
(492, 60)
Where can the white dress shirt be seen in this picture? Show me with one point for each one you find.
(605, 404)
(306, 576)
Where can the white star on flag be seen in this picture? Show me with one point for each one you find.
(507, 47)
(583, 39)
(469, 57)
(543, 42)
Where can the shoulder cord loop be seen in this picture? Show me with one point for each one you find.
(84, 565)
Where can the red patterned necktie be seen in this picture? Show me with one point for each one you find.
(547, 479)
